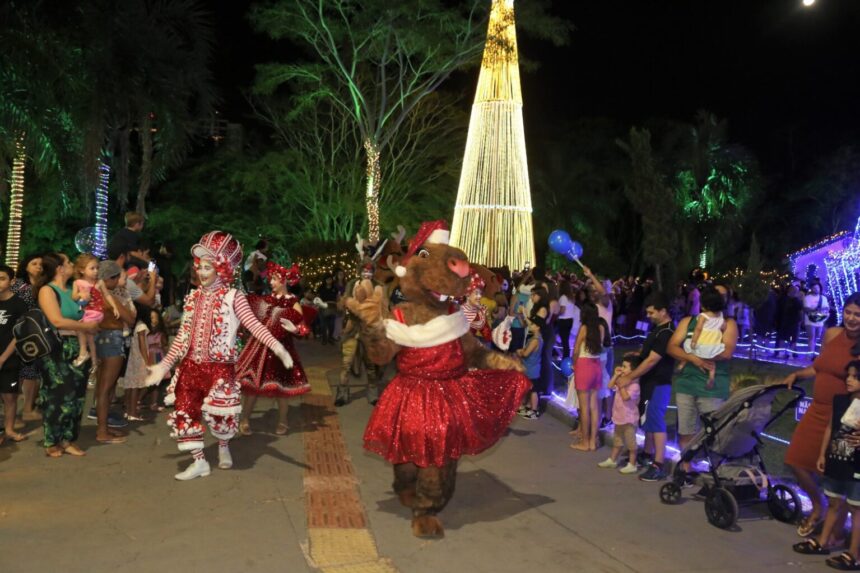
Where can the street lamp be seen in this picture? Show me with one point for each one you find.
(808, 3)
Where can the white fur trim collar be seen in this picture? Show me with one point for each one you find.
(438, 331)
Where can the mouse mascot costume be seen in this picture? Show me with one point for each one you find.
(205, 386)
(451, 396)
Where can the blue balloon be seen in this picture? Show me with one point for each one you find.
(559, 241)
(567, 367)
(574, 251)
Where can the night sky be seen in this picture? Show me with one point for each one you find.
(782, 74)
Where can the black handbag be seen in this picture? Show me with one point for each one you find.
(35, 337)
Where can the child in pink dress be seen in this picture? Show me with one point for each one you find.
(625, 416)
(89, 291)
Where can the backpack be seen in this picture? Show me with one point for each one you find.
(35, 337)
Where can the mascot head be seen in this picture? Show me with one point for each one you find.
(432, 272)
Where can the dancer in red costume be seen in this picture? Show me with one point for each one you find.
(205, 385)
(451, 395)
(259, 371)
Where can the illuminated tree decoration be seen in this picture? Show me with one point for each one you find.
(493, 213)
(16, 206)
(101, 210)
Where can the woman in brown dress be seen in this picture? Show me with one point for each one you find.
(841, 345)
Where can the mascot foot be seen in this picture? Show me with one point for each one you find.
(199, 468)
(406, 497)
(427, 526)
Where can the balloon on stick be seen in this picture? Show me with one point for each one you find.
(575, 253)
(559, 241)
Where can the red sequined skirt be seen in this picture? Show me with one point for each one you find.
(428, 421)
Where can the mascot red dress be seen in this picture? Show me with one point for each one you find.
(451, 395)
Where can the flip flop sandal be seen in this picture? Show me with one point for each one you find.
(113, 440)
(844, 562)
(282, 429)
(810, 547)
(245, 428)
(808, 526)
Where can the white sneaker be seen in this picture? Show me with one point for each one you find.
(608, 463)
(198, 468)
(628, 469)
(225, 460)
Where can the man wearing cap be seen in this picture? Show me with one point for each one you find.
(110, 349)
(205, 387)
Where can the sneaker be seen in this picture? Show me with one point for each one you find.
(531, 415)
(644, 459)
(689, 480)
(116, 422)
(608, 463)
(522, 410)
(702, 493)
(91, 415)
(653, 473)
(628, 469)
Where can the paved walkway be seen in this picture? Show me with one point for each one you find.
(314, 500)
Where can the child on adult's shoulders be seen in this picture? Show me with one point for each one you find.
(839, 460)
(625, 416)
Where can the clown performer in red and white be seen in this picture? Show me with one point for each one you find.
(258, 370)
(205, 386)
(475, 312)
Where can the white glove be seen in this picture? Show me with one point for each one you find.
(285, 357)
(319, 302)
(155, 374)
(288, 325)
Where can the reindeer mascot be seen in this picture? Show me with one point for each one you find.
(451, 395)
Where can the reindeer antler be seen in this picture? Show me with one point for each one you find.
(399, 235)
(360, 244)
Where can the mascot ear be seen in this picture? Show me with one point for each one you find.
(400, 271)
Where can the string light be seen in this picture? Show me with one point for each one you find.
(100, 249)
(842, 267)
(16, 206)
(493, 213)
(316, 268)
(373, 175)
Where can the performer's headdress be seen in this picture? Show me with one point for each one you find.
(434, 232)
(222, 249)
(290, 276)
(475, 283)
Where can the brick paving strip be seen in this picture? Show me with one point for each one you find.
(339, 540)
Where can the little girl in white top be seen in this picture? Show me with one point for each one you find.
(706, 341)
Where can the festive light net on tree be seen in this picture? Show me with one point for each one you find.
(493, 213)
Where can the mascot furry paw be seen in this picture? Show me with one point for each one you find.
(451, 396)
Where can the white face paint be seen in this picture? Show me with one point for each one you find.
(206, 272)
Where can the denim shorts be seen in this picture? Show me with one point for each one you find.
(690, 408)
(110, 343)
(847, 489)
(655, 410)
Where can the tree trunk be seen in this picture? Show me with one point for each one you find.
(16, 206)
(374, 179)
(658, 275)
(121, 161)
(145, 163)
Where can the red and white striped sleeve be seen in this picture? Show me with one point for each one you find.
(249, 320)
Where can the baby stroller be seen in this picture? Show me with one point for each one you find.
(729, 443)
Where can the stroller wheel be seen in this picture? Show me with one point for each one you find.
(721, 508)
(670, 493)
(784, 503)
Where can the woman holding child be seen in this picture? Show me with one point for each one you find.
(841, 345)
